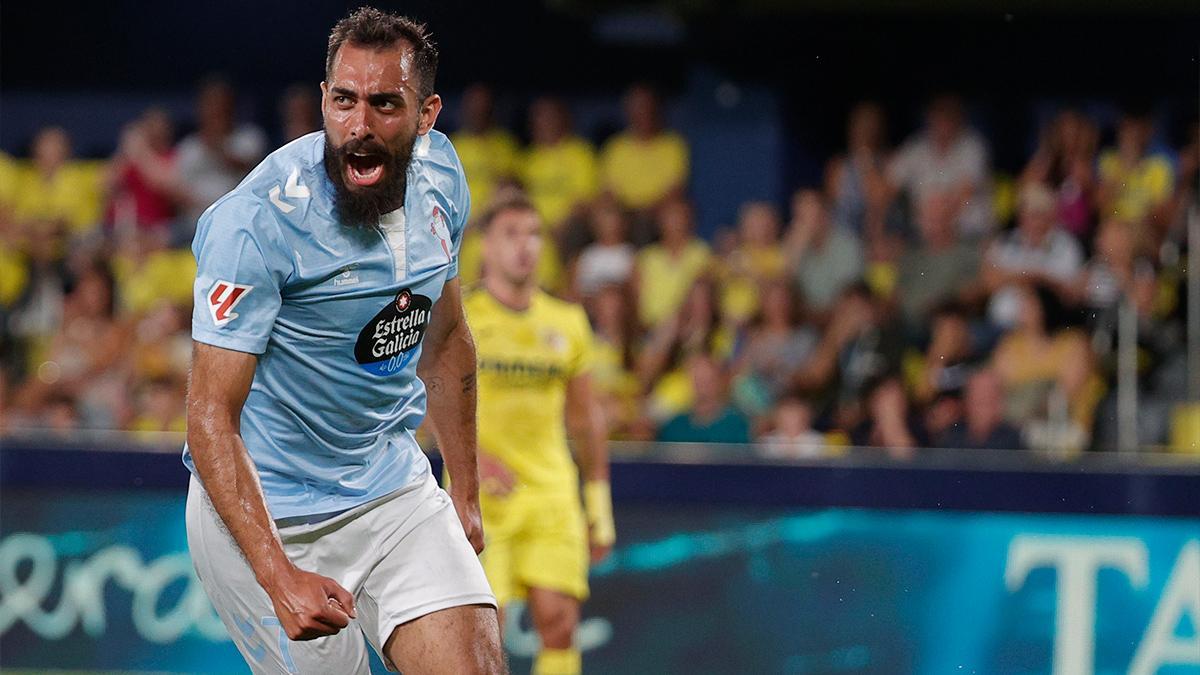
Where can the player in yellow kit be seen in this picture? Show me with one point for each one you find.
(534, 352)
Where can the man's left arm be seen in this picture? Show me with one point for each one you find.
(447, 368)
(585, 421)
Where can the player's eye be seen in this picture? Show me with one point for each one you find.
(342, 100)
(387, 106)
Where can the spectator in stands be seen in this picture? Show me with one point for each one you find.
(1185, 196)
(791, 435)
(889, 423)
(559, 169)
(610, 258)
(940, 267)
(141, 176)
(855, 181)
(824, 259)
(214, 159)
(58, 194)
(148, 272)
(78, 360)
(667, 269)
(1135, 183)
(614, 358)
(983, 426)
(645, 163)
(1038, 251)
(777, 344)
(1046, 367)
(488, 152)
(710, 418)
(1065, 162)
(947, 155)
(950, 357)
(695, 329)
(299, 112)
(756, 259)
(1116, 271)
(159, 407)
(861, 345)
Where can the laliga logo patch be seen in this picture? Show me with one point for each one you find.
(222, 298)
(441, 230)
(389, 341)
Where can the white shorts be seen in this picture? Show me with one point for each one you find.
(402, 556)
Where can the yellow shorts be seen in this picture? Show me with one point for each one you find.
(534, 540)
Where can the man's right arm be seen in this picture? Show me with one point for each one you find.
(308, 605)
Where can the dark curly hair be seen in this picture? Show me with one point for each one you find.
(370, 27)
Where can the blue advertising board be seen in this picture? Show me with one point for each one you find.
(100, 579)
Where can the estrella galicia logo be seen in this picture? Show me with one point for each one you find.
(389, 341)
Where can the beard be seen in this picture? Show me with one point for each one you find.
(364, 205)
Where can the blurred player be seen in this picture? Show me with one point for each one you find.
(534, 353)
(327, 283)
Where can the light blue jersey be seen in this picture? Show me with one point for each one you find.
(336, 314)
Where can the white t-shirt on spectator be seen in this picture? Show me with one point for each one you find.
(1059, 257)
(601, 265)
(920, 170)
(206, 176)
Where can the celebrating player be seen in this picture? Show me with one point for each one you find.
(326, 300)
(533, 370)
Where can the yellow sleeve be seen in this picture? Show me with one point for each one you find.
(583, 347)
(680, 163)
(586, 173)
(508, 158)
(610, 174)
(1160, 179)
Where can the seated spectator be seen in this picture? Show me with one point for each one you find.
(947, 156)
(1185, 196)
(950, 357)
(214, 160)
(777, 345)
(1065, 161)
(1114, 273)
(791, 435)
(983, 426)
(1134, 183)
(614, 360)
(940, 267)
(609, 259)
(644, 164)
(57, 193)
(824, 259)
(78, 359)
(855, 181)
(1044, 365)
(667, 269)
(756, 259)
(488, 152)
(299, 112)
(1038, 251)
(889, 423)
(148, 273)
(159, 407)
(141, 176)
(710, 418)
(559, 169)
(695, 329)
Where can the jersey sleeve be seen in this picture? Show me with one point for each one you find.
(458, 224)
(242, 263)
(583, 348)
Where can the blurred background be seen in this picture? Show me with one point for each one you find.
(897, 304)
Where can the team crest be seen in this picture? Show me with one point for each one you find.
(222, 298)
(554, 340)
(441, 229)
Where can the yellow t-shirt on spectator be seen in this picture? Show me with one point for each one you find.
(665, 280)
(640, 172)
(14, 275)
(74, 194)
(8, 182)
(559, 176)
(163, 275)
(487, 159)
(1143, 187)
(746, 268)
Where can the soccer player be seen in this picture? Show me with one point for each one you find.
(534, 353)
(328, 318)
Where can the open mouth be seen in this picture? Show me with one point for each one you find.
(364, 169)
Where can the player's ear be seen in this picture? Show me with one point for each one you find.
(430, 108)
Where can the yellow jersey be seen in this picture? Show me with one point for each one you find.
(487, 159)
(640, 172)
(526, 358)
(559, 176)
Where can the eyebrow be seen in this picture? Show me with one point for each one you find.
(373, 99)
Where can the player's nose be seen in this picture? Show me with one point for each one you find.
(359, 123)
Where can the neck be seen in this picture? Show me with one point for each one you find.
(515, 296)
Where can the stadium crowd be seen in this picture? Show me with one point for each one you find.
(917, 298)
